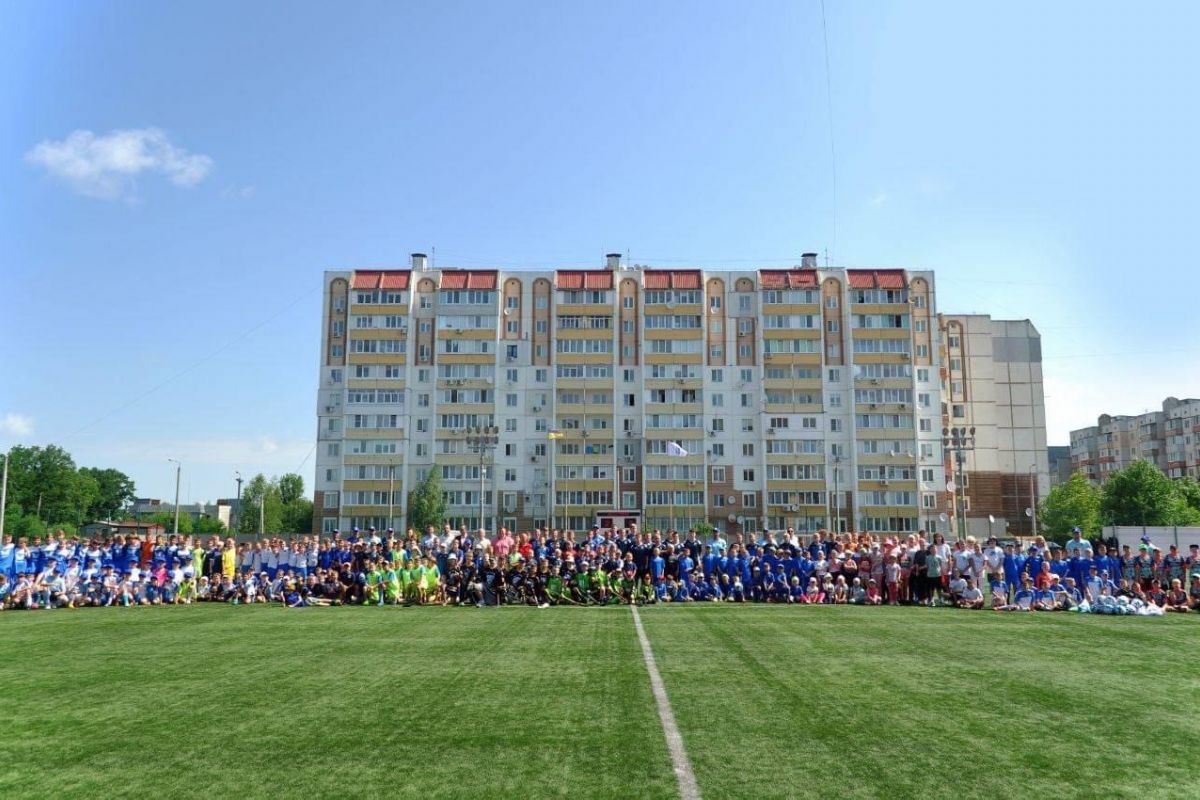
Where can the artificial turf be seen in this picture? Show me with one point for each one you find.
(771, 701)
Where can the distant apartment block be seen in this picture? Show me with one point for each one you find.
(1169, 439)
(806, 397)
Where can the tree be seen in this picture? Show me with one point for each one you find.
(291, 488)
(264, 494)
(1141, 494)
(1189, 490)
(206, 525)
(1071, 504)
(426, 503)
(114, 492)
(297, 515)
(43, 481)
(167, 520)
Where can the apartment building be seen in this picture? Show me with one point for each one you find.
(992, 387)
(749, 399)
(1169, 439)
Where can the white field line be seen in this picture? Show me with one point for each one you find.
(688, 790)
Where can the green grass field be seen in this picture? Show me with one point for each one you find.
(771, 702)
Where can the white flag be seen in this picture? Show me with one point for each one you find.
(674, 449)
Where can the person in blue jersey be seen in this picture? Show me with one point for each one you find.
(657, 565)
(709, 562)
(1076, 542)
(1014, 565)
(1025, 598)
(8, 557)
(1081, 563)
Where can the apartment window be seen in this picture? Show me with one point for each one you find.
(747, 425)
(511, 352)
(422, 425)
(835, 375)
(718, 500)
(926, 450)
(748, 475)
(835, 425)
(541, 351)
(337, 351)
(919, 326)
(425, 301)
(925, 425)
(745, 400)
(510, 400)
(923, 374)
(423, 400)
(744, 302)
(718, 424)
(835, 399)
(958, 411)
(831, 301)
(717, 351)
(627, 302)
(923, 399)
(956, 364)
(510, 450)
(718, 400)
(331, 500)
(749, 500)
(330, 475)
(630, 400)
(339, 304)
(629, 499)
(928, 500)
(426, 326)
(422, 450)
(718, 474)
(927, 474)
(510, 425)
(748, 450)
(919, 301)
(540, 376)
(954, 341)
(747, 375)
(717, 375)
(629, 475)
(718, 451)
(832, 326)
(333, 449)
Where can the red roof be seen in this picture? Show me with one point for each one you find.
(381, 279)
(787, 278)
(468, 279)
(583, 279)
(876, 278)
(671, 279)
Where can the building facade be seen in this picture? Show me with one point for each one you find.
(1169, 439)
(748, 399)
(992, 386)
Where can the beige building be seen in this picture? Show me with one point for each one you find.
(992, 386)
(801, 397)
(1169, 439)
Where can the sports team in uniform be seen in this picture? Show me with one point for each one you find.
(628, 566)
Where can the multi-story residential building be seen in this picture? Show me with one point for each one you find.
(991, 374)
(802, 397)
(1169, 439)
(1059, 456)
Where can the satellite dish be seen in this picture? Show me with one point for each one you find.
(1029, 512)
(991, 518)
(951, 486)
(943, 516)
(731, 518)
(740, 519)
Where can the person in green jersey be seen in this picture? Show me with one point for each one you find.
(599, 583)
(431, 581)
(581, 589)
(554, 588)
(392, 584)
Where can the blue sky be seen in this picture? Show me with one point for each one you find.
(1041, 157)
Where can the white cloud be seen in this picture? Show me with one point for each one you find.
(16, 425)
(105, 166)
(262, 452)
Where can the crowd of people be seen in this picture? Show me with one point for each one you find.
(627, 566)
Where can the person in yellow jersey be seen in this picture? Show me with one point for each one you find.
(229, 559)
(432, 576)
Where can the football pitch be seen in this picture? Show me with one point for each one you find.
(223, 701)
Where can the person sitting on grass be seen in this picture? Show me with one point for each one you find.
(1025, 598)
(1177, 598)
(813, 595)
(958, 585)
(873, 598)
(858, 594)
(970, 596)
(841, 595)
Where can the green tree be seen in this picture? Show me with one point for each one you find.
(44, 482)
(263, 494)
(207, 525)
(298, 515)
(427, 503)
(1189, 490)
(167, 520)
(291, 488)
(1141, 494)
(1070, 504)
(114, 492)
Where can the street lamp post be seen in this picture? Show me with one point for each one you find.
(837, 496)
(1033, 497)
(482, 439)
(3, 496)
(959, 441)
(238, 515)
(178, 467)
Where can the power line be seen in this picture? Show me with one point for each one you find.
(213, 354)
(829, 106)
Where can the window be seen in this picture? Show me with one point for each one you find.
(748, 449)
(831, 301)
(510, 425)
(718, 400)
(835, 399)
(926, 450)
(714, 303)
(422, 425)
(749, 500)
(331, 500)
(743, 302)
(745, 400)
(958, 411)
(919, 326)
(832, 326)
(718, 500)
(540, 375)
(718, 474)
(747, 425)
(835, 425)
(422, 450)
(927, 474)
(748, 475)
(919, 301)
(717, 375)
(629, 499)
(627, 375)
(923, 399)
(925, 425)
(627, 302)
(922, 351)
(928, 500)
(338, 351)
(718, 424)
(718, 450)
(510, 400)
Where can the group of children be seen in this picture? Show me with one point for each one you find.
(629, 566)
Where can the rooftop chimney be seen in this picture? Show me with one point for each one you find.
(419, 262)
(614, 261)
(808, 260)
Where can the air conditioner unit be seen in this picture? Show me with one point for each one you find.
(874, 381)
(536, 409)
(331, 408)
(770, 431)
(904, 406)
(533, 459)
(712, 433)
(884, 482)
(905, 356)
(874, 405)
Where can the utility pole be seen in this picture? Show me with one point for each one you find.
(238, 515)
(837, 496)
(554, 434)
(262, 514)
(1033, 497)
(391, 492)
(3, 496)
(178, 467)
